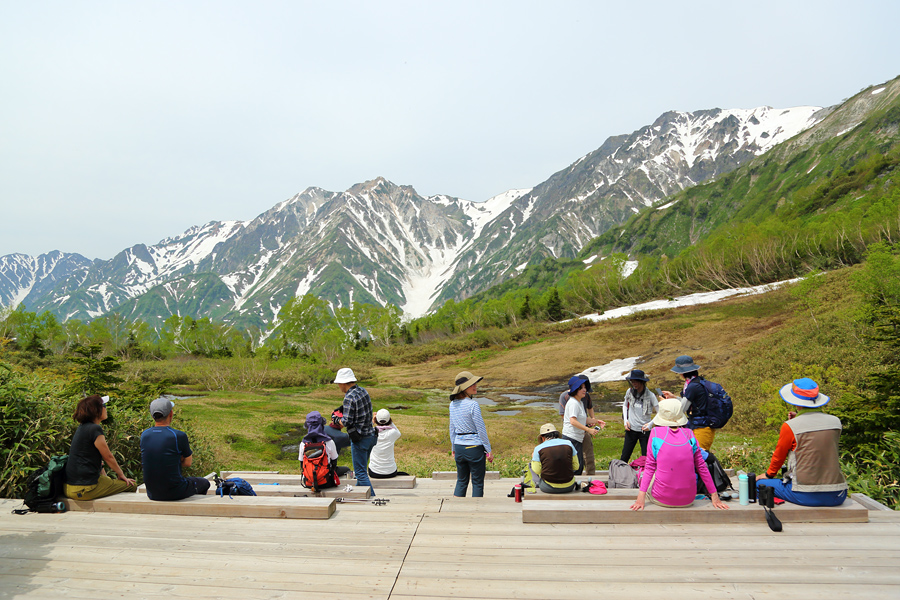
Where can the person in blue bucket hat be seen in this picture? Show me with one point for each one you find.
(808, 441)
(576, 422)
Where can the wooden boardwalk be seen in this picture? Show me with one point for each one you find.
(426, 544)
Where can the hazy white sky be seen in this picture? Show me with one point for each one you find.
(128, 122)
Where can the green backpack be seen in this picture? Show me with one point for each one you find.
(46, 485)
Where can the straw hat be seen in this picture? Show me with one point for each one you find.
(464, 381)
(670, 413)
(803, 393)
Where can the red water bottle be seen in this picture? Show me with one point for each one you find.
(518, 492)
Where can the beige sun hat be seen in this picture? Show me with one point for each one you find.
(464, 381)
(548, 428)
(670, 413)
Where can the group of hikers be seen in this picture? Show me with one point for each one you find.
(674, 433)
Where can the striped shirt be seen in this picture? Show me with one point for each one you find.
(467, 425)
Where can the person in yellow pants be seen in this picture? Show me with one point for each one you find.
(85, 476)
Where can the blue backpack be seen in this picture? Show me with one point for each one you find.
(233, 486)
(718, 405)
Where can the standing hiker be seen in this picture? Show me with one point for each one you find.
(587, 449)
(358, 421)
(637, 411)
(694, 400)
(576, 422)
(468, 436)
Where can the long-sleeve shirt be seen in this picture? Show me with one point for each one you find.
(467, 425)
(639, 411)
(555, 461)
(381, 460)
(673, 458)
(358, 411)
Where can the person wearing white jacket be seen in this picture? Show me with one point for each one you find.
(381, 462)
(637, 411)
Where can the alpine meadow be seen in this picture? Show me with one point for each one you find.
(247, 322)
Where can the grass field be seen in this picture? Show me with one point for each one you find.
(247, 430)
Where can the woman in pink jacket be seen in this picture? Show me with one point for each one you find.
(673, 458)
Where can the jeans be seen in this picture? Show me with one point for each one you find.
(786, 493)
(470, 460)
(631, 438)
(579, 450)
(360, 451)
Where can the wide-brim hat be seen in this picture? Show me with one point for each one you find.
(464, 381)
(548, 428)
(637, 375)
(345, 375)
(670, 413)
(803, 393)
(576, 381)
(684, 364)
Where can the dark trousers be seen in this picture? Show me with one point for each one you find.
(470, 460)
(631, 438)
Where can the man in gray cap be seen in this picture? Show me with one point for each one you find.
(164, 452)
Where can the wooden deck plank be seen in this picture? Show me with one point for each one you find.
(451, 475)
(239, 506)
(702, 511)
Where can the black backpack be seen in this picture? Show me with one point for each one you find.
(720, 478)
(46, 486)
(718, 404)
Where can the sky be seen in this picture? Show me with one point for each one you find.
(129, 122)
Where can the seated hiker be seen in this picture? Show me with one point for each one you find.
(673, 458)
(164, 453)
(637, 411)
(381, 462)
(335, 430)
(319, 455)
(86, 478)
(809, 442)
(554, 461)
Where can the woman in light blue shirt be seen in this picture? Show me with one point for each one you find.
(468, 436)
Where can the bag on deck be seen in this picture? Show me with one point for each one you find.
(47, 485)
(621, 475)
(233, 486)
(719, 407)
(317, 470)
(720, 478)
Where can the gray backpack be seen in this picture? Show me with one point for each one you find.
(621, 475)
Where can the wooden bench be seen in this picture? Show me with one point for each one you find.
(618, 511)
(298, 491)
(211, 506)
(615, 493)
(394, 483)
(451, 475)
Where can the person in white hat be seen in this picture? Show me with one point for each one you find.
(554, 461)
(382, 464)
(85, 477)
(809, 443)
(358, 421)
(468, 436)
(673, 458)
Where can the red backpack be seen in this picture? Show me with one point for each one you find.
(317, 470)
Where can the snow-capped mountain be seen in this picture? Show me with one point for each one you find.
(384, 243)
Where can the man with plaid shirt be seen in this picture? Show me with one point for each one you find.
(358, 421)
